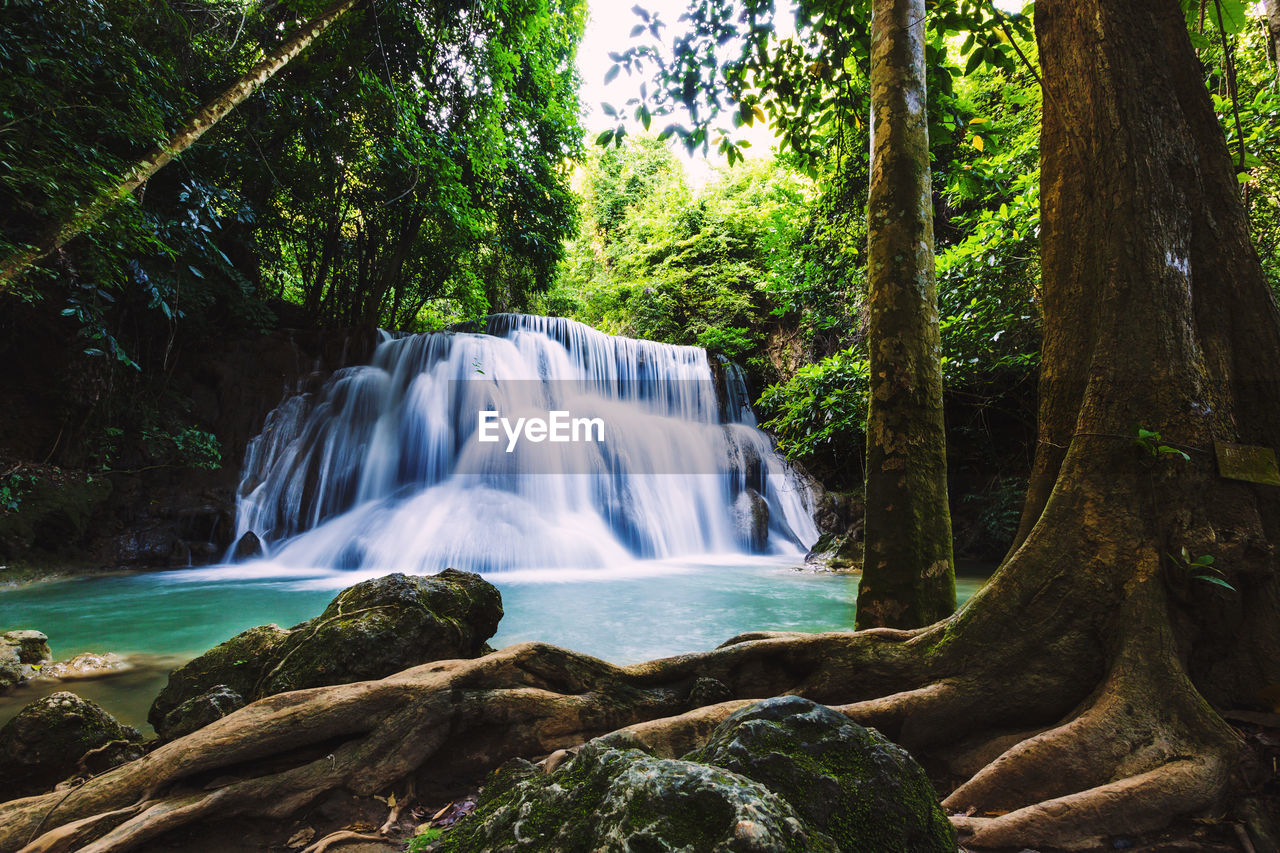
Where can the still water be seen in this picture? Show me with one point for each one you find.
(653, 609)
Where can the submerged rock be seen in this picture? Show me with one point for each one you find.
(618, 800)
(785, 774)
(58, 737)
(369, 631)
(86, 665)
(850, 782)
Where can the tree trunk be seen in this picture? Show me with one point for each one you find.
(908, 577)
(1071, 691)
(84, 216)
(1272, 8)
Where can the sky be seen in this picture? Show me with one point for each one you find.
(609, 24)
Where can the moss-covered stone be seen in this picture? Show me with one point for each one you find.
(623, 800)
(48, 739)
(196, 713)
(850, 782)
(369, 631)
(388, 624)
(239, 664)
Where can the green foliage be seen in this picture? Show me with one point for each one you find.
(13, 487)
(1149, 441)
(1201, 568)
(424, 839)
(819, 415)
(656, 260)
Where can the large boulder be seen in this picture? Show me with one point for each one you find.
(785, 774)
(58, 737)
(626, 801)
(371, 630)
(850, 782)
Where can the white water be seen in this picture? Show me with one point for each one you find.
(381, 471)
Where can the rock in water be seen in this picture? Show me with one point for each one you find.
(782, 775)
(21, 654)
(50, 738)
(32, 646)
(624, 800)
(248, 547)
(388, 624)
(237, 664)
(850, 782)
(371, 630)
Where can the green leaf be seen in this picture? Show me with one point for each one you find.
(612, 74)
(1216, 581)
(604, 138)
(975, 59)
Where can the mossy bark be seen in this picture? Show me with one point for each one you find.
(908, 575)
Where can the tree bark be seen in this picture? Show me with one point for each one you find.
(84, 216)
(908, 577)
(1272, 8)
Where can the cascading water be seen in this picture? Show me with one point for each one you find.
(384, 470)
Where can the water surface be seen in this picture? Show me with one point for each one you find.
(650, 609)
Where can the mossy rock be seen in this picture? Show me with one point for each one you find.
(238, 664)
(850, 782)
(196, 713)
(386, 625)
(48, 739)
(626, 801)
(369, 631)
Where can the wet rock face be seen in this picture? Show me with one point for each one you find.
(22, 653)
(782, 775)
(751, 512)
(609, 799)
(850, 782)
(371, 630)
(58, 737)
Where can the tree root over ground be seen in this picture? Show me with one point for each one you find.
(1081, 726)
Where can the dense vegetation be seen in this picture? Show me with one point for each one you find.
(408, 169)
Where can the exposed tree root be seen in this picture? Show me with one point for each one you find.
(1122, 752)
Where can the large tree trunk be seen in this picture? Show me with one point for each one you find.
(213, 110)
(1071, 691)
(908, 576)
(1272, 8)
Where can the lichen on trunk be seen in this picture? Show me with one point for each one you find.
(908, 572)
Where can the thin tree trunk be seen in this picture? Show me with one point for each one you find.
(84, 216)
(908, 575)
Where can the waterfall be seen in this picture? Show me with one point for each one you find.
(385, 469)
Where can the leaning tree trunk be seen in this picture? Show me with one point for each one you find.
(908, 576)
(1071, 691)
(84, 216)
